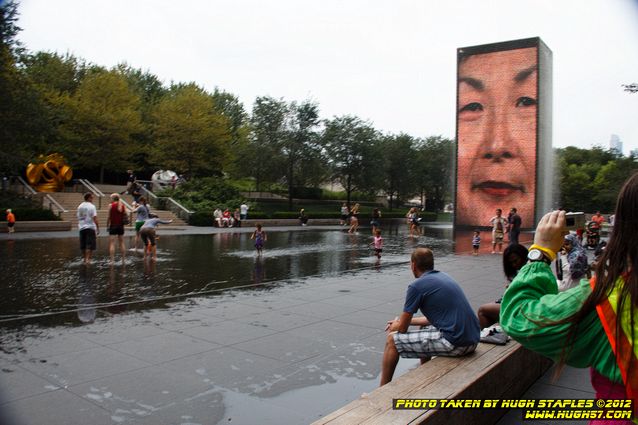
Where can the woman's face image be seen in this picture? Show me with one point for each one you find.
(497, 103)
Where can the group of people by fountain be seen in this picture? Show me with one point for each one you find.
(587, 323)
(118, 217)
(226, 218)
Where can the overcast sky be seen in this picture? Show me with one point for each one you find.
(390, 62)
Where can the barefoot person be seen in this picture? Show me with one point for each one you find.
(449, 327)
(142, 214)
(115, 225)
(259, 236)
(147, 232)
(89, 227)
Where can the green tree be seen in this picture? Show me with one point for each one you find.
(575, 186)
(54, 73)
(577, 168)
(23, 115)
(300, 142)
(398, 162)
(349, 144)
(229, 105)
(189, 135)
(609, 180)
(103, 116)
(262, 155)
(435, 169)
(150, 90)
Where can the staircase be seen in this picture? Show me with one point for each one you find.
(70, 202)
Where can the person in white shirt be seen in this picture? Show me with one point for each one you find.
(89, 227)
(243, 211)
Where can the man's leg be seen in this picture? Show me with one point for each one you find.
(390, 360)
(515, 234)
(112, 246)
(122, 246)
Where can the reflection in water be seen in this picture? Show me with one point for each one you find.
(231, 386)
(259, 272)
(44, 277)
(463, 241)
(86, 299)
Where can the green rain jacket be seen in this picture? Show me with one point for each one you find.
(533, 297)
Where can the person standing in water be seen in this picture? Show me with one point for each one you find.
(260, 237)
(377, 243)
(147, 232)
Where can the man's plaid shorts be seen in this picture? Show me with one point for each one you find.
(427, 342)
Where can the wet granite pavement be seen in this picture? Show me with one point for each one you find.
(287, 353)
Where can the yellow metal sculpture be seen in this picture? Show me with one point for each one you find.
(49, 173)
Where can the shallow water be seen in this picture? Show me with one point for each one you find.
(45, 277)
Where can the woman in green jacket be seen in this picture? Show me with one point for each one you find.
(589, 325)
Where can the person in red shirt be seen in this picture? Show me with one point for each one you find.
(11, 221)
(115, 225)
(227, 219)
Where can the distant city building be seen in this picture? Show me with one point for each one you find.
(615, 143)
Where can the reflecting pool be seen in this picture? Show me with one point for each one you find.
(45, 277)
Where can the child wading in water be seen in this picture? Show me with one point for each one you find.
(476, 242)
(260, 237)
(377, 244)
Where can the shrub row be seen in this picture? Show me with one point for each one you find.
(33, 214)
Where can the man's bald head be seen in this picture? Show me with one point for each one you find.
(423, 259)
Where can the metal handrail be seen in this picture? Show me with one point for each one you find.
(97, 192)
(129, 208)
(177, 208)
(52, 201)
(92, 187)
(148, 192)
(26, 185)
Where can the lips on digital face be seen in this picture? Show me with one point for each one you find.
(497, 129)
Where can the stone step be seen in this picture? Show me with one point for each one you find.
(70, 202)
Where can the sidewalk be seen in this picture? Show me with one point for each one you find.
(285, 354)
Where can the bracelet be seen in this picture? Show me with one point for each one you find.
(551, 254)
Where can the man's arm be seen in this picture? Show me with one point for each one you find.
(400, 324)
(419, 321)
(97, 224)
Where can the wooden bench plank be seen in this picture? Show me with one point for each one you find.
(492, 372)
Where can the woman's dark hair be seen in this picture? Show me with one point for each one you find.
(620, 257)
(510, 269)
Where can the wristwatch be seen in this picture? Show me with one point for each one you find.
(538, 255)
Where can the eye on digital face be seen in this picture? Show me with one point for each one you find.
(497, 126)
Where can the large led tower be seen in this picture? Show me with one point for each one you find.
(503, 131)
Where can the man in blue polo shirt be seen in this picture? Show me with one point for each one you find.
(449, 326)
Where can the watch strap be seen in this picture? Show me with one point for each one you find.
(550, 254)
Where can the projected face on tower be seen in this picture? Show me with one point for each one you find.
(497, 126)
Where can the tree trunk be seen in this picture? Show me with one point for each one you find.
(101, 174)
(348, 189)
